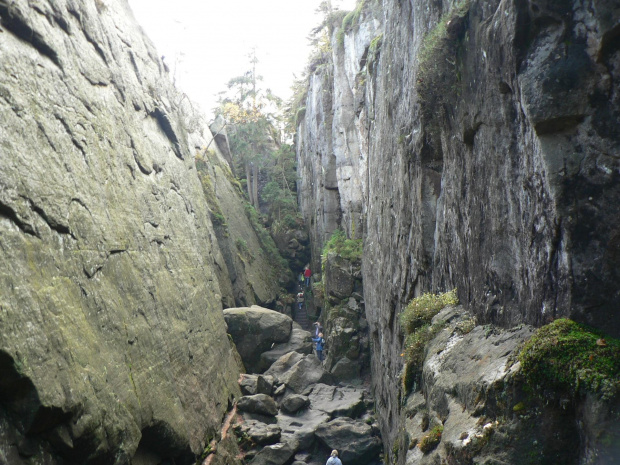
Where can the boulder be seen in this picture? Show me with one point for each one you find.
(298, 372)
(301, 428)
(300, 341)
(354, 440)
(346, 370)
(258, 403)
(337, 401)
(276, 454)
(254, 330)
(256, 384)
(261, 433)
(293, 403)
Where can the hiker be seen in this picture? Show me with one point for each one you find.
(307, 274)
(334, 460)
(300, 279)
(300, 300)
(318, 330)
(320, 343)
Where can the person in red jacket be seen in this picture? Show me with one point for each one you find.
(307, 274)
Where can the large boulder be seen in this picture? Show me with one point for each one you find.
(293, 403)
(337, 401)
(260, 433)
(300, 428)
(254, 330)
(256, 384)
(298, 372)
(300, 341)
(353, 439)
(276, 454)
(258, 403)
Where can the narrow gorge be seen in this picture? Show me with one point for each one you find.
(458, 187)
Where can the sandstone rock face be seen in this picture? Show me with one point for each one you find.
(110, 305)
(254, 330)
(485, 161)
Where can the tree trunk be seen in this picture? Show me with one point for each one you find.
(248, 178)
(255, 185)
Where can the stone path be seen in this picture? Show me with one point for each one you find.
(301, 317)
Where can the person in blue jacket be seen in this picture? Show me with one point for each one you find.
(320, 343)
(334, 460)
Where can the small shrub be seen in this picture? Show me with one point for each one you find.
(349, 249)
(572, 357)
(431, 440)
(422, 309)
(416, 323)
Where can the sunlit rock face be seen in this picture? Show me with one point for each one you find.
(112, 339)
(488, 154)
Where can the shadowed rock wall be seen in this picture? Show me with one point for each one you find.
(492, 165)
(112, 339)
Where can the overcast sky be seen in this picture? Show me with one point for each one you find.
(205, 43)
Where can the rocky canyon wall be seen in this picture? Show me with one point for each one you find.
(475, 146)
(113, 345)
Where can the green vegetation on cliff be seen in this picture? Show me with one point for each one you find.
(338, 243)
(416, 323)
(571, 357)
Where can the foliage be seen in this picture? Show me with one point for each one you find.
(349, 249)
(572, 357)
(416, 323)
(437, 74)
(244, 250)
(431, 440)
(413, 353)
(421, 310)
(267, 244)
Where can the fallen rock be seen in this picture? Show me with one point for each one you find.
(276, 454)
(346, 370)
(301, 428)
(353, 440)
(258, 403)
(261, 433)
(293, 403)
(254, 330)
(300, 341)
(337, 401)
(298, 372)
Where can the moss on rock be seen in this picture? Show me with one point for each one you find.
(572, 357)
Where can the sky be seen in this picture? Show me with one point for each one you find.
(206, 42)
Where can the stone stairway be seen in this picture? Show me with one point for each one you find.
(301, 317)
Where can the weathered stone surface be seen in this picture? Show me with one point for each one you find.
(254, 329)
(293, 403)
(261, 433)
(277, 454)
(300, 428)
(258, 403)
(337, 401)
(298, 372)
(497, 177)
(353, 440)
(300, 341)
(111, 326)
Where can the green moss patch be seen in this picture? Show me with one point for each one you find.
(431, 440)
(568, 356)
(422, 309)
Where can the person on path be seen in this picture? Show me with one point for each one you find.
(318, 330)
(307, 274)
(300, 278)
(334, 460)
(320, 343)
(300, 300)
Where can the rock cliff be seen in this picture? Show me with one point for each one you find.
(112, 339)
(474, 145)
